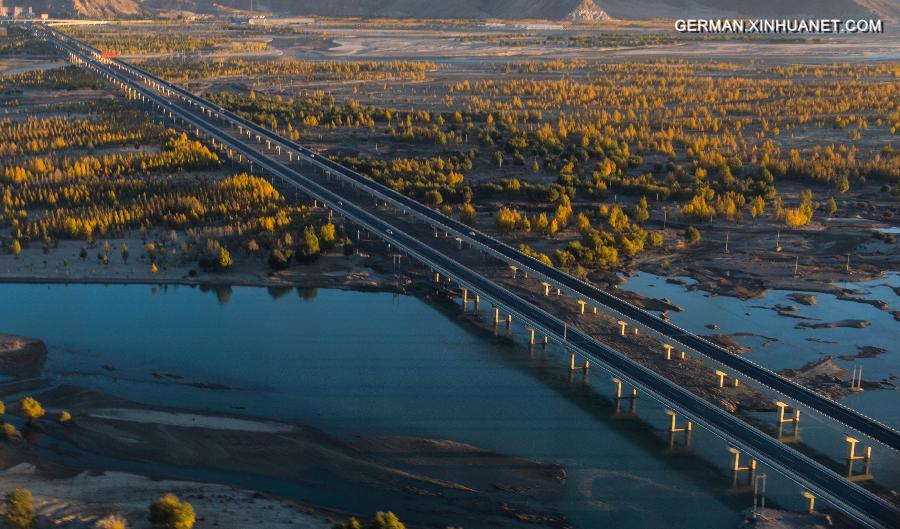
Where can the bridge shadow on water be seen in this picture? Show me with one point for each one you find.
(593, 392)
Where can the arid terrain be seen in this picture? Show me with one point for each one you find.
(603, 150)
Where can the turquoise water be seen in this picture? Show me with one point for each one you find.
(354, 363)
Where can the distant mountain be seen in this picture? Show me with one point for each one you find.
(587, 11)
(581, 10)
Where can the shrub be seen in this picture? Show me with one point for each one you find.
(20, 513)
(10, 432)
(31, 409)
(382, 520)
(326, 236)
(113, 521)
(692, 235)
(172, 513)
(280, 259)
(64, 416)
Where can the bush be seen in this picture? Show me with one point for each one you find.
(309, 247)
(65, 416)
(20, 513)
(31, 409)
(692, 235)
(280, 259)
(382, 520)
(172, 513)
(113, 521)
(10, 432)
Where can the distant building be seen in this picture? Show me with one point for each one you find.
(17, 12)
(539, 26)
(281, 21)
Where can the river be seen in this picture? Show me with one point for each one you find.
(353, 363)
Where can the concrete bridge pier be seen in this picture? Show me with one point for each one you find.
(736, 462)
(811, 506)
(581, 304)
(673, 426)
(852, 455)
(721, 375)
(668, 349)
(572, 367)
(618, 383)
(546, 289)
(622, 326)
(531, 337)
(782, 406)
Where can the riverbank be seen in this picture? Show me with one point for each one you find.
(441, 475)
(79, 501)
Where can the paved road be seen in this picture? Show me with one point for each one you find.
(845, 495)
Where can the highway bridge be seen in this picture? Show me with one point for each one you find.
(735, 365)
(212, 121)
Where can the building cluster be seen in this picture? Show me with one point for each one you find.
(17, 11)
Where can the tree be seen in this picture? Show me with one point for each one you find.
(15, 247)
(641, 211)
(434, 197)
(309, 247)
(223, 260)
(279, 258)
(692, 235)
(124, 251)
(468, 214)
(2, 408)
(83, 253)
(172, 513)
(20, 511)
(327, 236)
(31, 409)
(387, 520)
(64, 417)
(113, 521)
(831, 206)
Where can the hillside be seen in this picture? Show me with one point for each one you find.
(583, 10)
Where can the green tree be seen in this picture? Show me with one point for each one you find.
(692, 235)
(124, 251)
(20, 512)
(31, 409)
(171, 513)
(831, 206)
